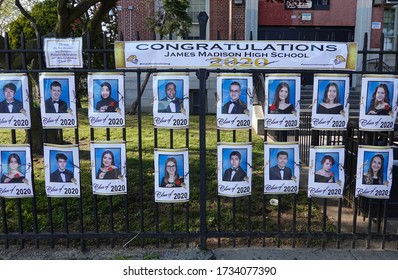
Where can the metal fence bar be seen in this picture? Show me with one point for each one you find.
(339, 215)
(66, 223)
(324, 218)
(369, 229)
(294, 222)
(264, 214)
(279, 225)
(140, 156)
(4, 218)
(309, 222)
(249, 220)
(219, 219)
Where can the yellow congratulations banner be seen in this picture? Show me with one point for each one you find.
(236, 55)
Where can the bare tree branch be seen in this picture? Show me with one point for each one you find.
(33, 23)
(102, 10)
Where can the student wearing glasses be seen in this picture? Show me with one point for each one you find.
(235, 105)
(171, 178)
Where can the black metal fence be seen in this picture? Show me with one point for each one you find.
(207, 219)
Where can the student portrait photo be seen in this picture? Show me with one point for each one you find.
(108, 163)
(170, 95)
(56, 94)
(234, 164)
(375, 168)
(379, 97)
(281, 164)
(11, 98)
(330, 99)
(62, 166)
(13, 165)
(171, 170)
(234, 96)
(281, 96)
(106, 95)
(326, 167)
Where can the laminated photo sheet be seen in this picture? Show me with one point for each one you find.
(281, 168)
(106, 107)
(234, 169)
(14, 101)
(282, 101)
(171, 175)
(374, 172)
(62, 170)
(60, 86)
(108, 168)
(326, 172)
(15, 171)
(330, 107)
(234, 101)
(171, 100)
(378, 107)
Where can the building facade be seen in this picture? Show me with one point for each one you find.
(316, 20)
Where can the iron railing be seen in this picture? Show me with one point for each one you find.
(207, 219)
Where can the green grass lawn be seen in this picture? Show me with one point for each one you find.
(222, 213)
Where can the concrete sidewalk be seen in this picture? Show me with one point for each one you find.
(242, 253)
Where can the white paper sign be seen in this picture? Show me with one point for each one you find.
(326, 172)
(63, 53)
(234, 169)
(16, 171)
(281, 168)
(374, 172)
(330, 107)
(282, 101)
(62, 170)
(234, 101)
(171, 100)
(57, 100)
(106, 100)
(108, 168)
(171, 175)
(378, 108)
(14, 101)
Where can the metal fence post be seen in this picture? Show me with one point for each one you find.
(202, 76)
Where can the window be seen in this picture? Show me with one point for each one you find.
(388, 29)
(195, 7)
(321, 5)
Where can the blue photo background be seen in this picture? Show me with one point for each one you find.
(371, 88)
(290, 159)
(273, 84)
(18, 92)
(53, 160)
(64, 86)
(225, 90)
(367, 156)
(335, 166)
(322, 84)
(179, 88)
(162, 162)
(4, 160)
(116, 154)
(97, 89)
(225, 158)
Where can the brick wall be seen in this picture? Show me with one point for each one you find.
(377, 16)
(219, 19)
(131, 21)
